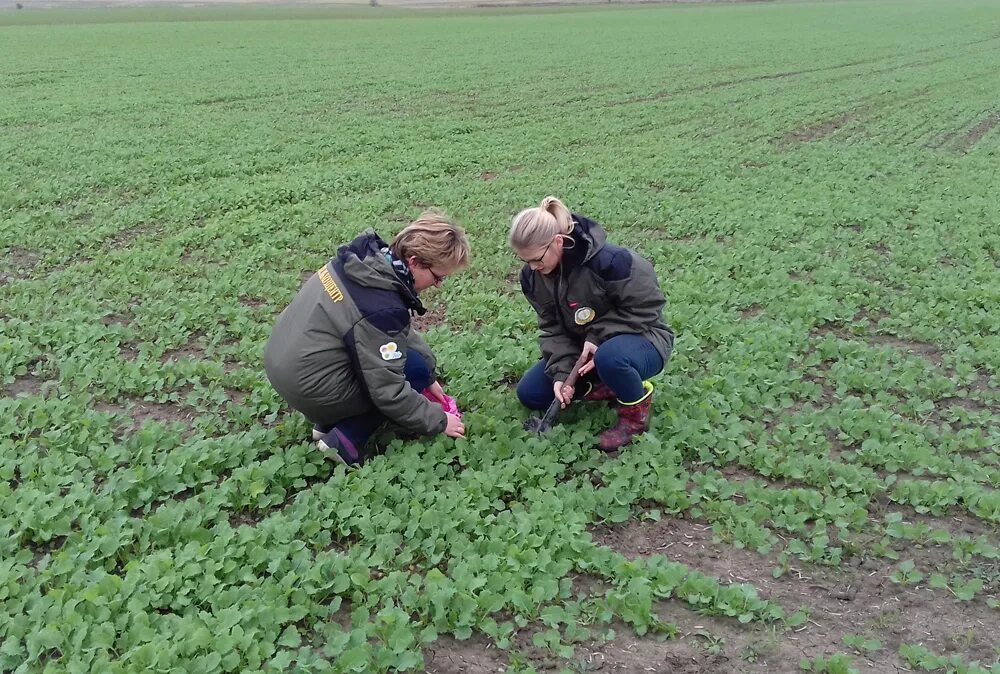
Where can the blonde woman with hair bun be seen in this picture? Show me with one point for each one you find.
(596, 299)
(343, 352)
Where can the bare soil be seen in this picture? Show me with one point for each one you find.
(856, 598)
(435, 316)
(977, 132)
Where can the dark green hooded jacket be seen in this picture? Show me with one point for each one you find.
(598, 291)
(339, 349)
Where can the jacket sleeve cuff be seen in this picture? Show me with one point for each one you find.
(441, 423)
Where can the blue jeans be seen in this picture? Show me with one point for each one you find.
(354, 432)
(622, 362)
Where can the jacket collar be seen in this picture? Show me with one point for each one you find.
(588, 239)
(366, 263)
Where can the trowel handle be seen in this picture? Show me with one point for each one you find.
(575, 374)
(550, 414)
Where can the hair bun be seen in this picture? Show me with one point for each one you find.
(550, 204)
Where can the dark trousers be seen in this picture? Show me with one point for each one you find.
(356, 430)
(622, 362)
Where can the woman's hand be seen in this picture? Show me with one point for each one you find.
(563, 393)
(589, 349)
(455, 427)
(436, 389)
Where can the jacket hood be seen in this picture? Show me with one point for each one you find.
(366, 265)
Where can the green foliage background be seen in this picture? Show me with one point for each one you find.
(816, 184)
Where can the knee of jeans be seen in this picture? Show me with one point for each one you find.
(529, 397)
(421, 382)
(419, 376)
(607, 360)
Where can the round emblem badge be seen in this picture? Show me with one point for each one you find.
(584, 315)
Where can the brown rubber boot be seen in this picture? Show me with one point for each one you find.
(633, 418)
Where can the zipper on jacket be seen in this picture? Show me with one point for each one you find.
(559, 302)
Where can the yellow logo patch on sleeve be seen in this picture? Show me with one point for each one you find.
(331, 287)
(390, 351)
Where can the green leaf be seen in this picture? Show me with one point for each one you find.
(290, 637)
(354, 660)
(408, 660)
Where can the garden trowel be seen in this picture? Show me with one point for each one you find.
(545, 423)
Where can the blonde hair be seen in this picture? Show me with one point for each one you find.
(536, 227)
(434, 240)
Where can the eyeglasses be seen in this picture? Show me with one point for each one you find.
(438, 279)
(541, 257)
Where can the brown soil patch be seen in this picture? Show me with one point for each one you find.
(868, 321)
(835, 329)
(26, 385)
(187, 351)
(943, 139)
(165, 413)
(489, 175)
(805, 134)
(976, 133)
(21, 262)
(249, 518)
(923, 349)
(855, 598)
(942, 404)
(128, 351)
(434, 316)
(143, 412)
(983, 383)
(231, 364)
(124, 238)
(865, 315)
(41, 550)
(751, 311)
(729, 83)
(685, 654)
(828, 395)
(476, 655)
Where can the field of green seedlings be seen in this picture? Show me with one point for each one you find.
(816, 184)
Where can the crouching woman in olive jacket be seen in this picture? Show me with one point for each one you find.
(343, 352)
(593, 299)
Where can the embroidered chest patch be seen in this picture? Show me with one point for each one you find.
(584, 315)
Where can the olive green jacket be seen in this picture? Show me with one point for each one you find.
(339, 349)
(598, 291)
